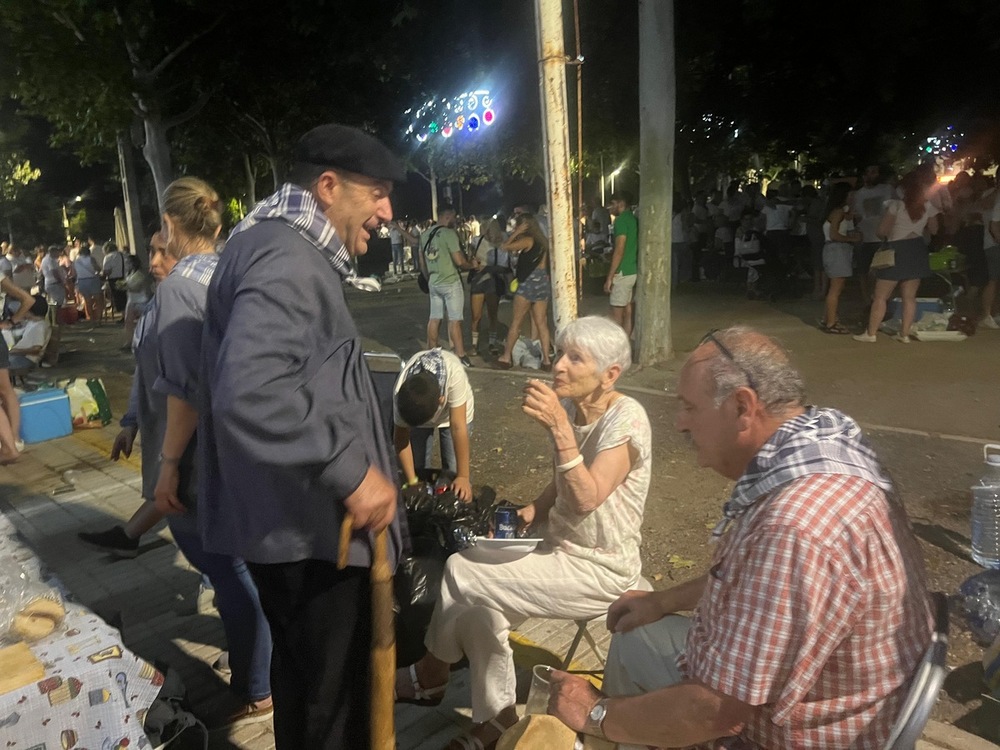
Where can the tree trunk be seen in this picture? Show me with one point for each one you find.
(157, 153)
(277, 178)
(657, 113)
(251, 176)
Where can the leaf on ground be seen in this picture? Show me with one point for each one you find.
(656, 577)
(498, 449)
(710, 525)
(680, 562)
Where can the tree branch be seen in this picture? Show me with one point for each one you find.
(172, 55)
(68, 23)
(190, 112)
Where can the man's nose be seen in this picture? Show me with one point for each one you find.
(383, 209)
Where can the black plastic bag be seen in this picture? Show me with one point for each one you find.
(440, 525)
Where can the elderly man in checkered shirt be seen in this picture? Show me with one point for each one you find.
(808, 626)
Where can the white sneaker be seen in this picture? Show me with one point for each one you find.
(902, 339)
(865, 338)
(988, 322)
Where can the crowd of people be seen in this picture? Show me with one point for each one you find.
(794, 234)
(262, 431)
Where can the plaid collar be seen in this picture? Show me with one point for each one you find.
(818, 441)
(297, 208)
(198, 267)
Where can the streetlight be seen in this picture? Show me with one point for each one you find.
(613, 175)
(77, 199)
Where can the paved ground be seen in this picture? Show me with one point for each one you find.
(928, 407)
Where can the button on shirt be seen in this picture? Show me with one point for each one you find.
(816, 612)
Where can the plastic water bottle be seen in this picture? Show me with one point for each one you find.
(986, 511)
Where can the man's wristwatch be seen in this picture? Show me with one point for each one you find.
(595, 719)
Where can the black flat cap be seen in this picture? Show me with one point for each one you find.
(349, 149)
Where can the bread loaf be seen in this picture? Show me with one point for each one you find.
(38, 618)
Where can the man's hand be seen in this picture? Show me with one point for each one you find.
(123, 442)
(462, 487)
(632, 610)
(607, 285)
(373, 503)
(165, 495)
(571, 699)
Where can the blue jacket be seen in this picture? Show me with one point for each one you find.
(290, 420)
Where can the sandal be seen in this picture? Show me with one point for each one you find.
(501, 365)
(546, 367)
(421, 696)
(835, 328)
(470, 741)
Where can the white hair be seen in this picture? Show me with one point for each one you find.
(601, 338)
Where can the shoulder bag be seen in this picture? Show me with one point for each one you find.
(424, 276)
(884, 257)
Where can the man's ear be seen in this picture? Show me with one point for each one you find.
(326, 186)
(747, 404)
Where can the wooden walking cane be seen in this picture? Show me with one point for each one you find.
(383, 656)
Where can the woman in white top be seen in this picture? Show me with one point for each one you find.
(838, 252)
(589, 518)
(90, 284)
(487, 284)
(903, 224)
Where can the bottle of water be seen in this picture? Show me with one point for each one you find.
(986, 511)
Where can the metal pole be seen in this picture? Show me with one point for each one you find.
(555, 131)
(603, 201)
(578, 207)
(133, 221)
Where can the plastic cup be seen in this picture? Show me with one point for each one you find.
(538, 693)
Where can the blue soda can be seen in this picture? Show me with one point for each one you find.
(505, 522)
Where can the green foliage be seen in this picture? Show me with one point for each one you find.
(15, 174)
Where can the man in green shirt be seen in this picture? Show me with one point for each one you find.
(441, 260)
(620, 283)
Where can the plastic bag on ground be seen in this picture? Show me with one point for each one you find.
(980, 597)
(526, 354)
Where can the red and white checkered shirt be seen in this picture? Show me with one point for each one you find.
(816, 611)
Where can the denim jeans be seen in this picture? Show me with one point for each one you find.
(397, 257)
(422, 445)
(247, 632)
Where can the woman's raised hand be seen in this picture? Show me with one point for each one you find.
(541, 404)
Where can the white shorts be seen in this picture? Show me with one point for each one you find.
(621, 289)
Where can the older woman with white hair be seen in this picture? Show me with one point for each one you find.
(589, 516)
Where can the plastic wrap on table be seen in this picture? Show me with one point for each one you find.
(981, 603)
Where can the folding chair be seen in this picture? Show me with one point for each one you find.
(583, 634)
(926, 683)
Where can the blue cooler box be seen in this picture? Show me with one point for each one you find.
(924, 304)
(45, 415)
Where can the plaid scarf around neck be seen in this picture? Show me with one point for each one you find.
(819, 441)
(299, 210)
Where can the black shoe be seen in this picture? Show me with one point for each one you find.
(114, 540)
(465, 360)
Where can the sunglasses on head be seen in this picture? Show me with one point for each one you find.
(711, 337)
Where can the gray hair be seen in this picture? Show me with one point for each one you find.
(601, 338)
(758, 362)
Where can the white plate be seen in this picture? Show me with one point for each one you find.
(939, 336)
(487, 549)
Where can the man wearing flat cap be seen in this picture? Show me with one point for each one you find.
(293, 436)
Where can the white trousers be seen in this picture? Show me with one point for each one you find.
(645, 659)
(480, 602)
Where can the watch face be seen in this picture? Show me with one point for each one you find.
(597, 712)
